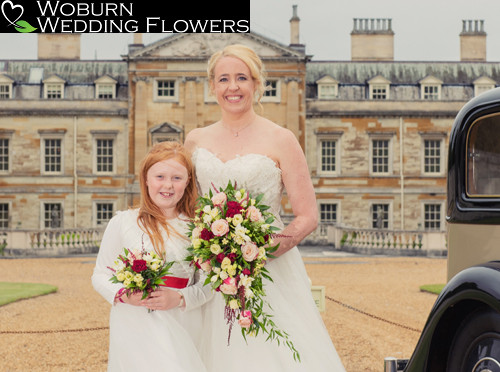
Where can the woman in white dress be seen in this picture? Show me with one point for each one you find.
(166, 339)
(262, 157)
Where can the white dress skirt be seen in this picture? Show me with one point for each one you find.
(289, 294)
(139, 340)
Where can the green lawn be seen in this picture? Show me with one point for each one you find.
(10, 292)
(432, 288)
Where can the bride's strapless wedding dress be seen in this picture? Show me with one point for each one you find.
(289, 294)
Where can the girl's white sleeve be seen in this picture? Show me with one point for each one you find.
(197, 294)
(111, 247)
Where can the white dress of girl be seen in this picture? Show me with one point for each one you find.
(150, 341)
(289, 295)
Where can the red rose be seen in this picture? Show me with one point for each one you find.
(206, 234)
(220, 257)
(139, 266)
(232, 257)
(233, 208)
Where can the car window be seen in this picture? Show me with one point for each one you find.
(483, 157)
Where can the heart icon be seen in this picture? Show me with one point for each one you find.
(12, 12)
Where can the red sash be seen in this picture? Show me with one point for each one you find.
(175, 282)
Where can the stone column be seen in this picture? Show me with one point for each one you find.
(140, 123)
(190, 107)
(293, 106)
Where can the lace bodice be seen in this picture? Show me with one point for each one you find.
(255, 172)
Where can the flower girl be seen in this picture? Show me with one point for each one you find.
(161, 331)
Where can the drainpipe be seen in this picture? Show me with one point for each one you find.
(401, 173)
(75, 175)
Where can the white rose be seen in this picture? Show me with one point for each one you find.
(215, 248)
(237, 219)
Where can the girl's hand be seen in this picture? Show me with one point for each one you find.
(132, 299)
(163, 299)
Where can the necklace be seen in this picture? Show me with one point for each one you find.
(236, 133)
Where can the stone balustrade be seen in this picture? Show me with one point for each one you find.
(49, 242)
(380, 241)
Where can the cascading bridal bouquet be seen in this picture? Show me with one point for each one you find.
(231, 239)
(139, 271)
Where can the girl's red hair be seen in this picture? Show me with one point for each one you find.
(151, 218)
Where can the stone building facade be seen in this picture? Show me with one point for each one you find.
(374, 130)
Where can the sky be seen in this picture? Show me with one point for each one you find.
(425, 30)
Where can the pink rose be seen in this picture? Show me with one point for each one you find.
(245, 320)
(249, 251)
(228, 286)
(205, 266)
(219, 198)
(254, 214)
(220, 227)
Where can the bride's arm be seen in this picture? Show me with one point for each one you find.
(300, 192)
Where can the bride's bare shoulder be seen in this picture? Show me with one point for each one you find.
(195, 137)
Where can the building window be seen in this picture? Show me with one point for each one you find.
(207, 92)
(431, 92)
(328, 155)
(54, 91)
(328, 212)
(52, 155)
(271, 89)
(380, 216)
(105, 91)
(379, 88)
(166, 90)
(379, 92)
(104, 212)
(5, 86)
(105, 87)
(272, 92)
(483, 84)
(104, 155)
(4, 154)
(380, 156)
(5, 91)
(481, 88)
(432, 216)
(432, 156)
(4, 215)
(52, 216)
(327, 91)
(328, 87)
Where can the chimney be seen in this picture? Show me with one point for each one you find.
(59, 46)
(372, 39)
(137, 43)
(473, 41)
(294, 32)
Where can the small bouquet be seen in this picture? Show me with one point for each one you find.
(139, 271)
(231, 239)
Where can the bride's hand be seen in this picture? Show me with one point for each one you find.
(162, 299)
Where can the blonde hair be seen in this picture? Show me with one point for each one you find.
(249, 58)
(151, 218)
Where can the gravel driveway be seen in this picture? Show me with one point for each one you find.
(374, 309)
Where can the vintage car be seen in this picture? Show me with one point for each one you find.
(462, 332)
